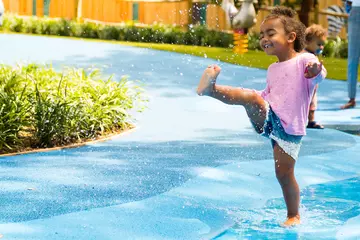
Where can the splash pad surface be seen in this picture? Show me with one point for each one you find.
(193, 170)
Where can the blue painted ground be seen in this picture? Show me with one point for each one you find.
(193, 170)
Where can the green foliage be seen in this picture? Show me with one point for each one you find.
(336, 48)
(292, 3)
(342, 51)
(62, 108)
(14, 109)
(197, 35)
(254, 41)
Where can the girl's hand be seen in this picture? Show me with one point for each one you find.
(313, 69)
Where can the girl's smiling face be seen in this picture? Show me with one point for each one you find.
(273, 38)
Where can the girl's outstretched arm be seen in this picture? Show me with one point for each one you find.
(315, 71)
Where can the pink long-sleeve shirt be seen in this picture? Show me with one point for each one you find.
(289, 93)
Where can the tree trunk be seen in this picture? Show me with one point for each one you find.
(306, 6)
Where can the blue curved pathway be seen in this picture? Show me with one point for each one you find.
(194, 169)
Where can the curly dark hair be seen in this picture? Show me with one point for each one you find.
(291, 24)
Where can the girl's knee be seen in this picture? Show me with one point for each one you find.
(256, 109)
(284, 174)
(258, 126)
(256, 100)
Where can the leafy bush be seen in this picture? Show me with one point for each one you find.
(14, 109)
(254, 41)
(336, 48)
(343, 49)
(55, 108)
(197, 35)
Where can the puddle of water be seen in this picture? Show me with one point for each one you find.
(324, 209)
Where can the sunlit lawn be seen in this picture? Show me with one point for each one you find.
(336, 67)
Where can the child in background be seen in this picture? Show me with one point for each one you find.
(280, 111)
(315, 37)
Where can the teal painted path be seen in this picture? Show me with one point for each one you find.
(194, 169)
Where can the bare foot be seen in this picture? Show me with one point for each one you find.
(208, 80)
(292, 221)
(349, 104)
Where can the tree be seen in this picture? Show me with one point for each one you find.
(305, 8)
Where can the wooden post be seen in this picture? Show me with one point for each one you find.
(135, 15)
(316, 13)
(79, 11)
(304, 11)
(34, 6)
(39, 8)
(190, 18)
(47, 7)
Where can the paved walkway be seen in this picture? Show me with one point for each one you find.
(193, 170)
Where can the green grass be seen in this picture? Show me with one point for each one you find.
(336, 67)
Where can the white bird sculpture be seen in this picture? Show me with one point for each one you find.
(243, 18)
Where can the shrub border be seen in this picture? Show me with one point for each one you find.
(75, 145)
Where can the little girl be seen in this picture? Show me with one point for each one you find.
(280, 111)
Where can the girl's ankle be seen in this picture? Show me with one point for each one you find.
(297, 216)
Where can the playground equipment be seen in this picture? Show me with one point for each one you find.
(335, 23)
(245, 18)
(240, 20)
(240, 41)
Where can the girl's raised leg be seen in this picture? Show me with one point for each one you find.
(254, 104)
